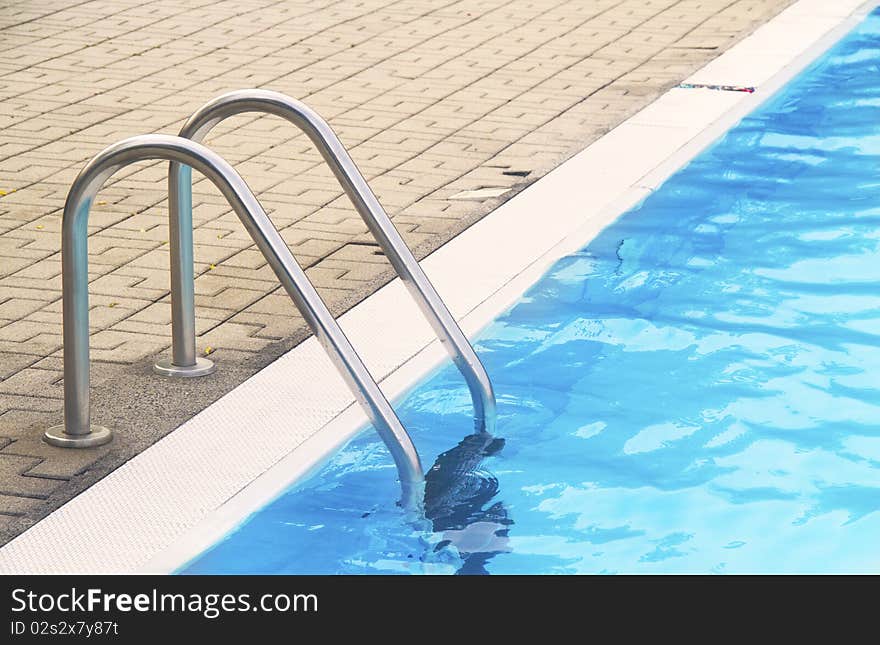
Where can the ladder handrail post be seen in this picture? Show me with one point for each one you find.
(77, 430)
(368, 207)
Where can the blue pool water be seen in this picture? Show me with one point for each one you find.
(697, 390)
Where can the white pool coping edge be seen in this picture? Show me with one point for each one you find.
(187, 491)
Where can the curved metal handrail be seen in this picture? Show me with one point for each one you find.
(184, 360)
(77, 430)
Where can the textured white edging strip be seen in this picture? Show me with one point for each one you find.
(176, 498)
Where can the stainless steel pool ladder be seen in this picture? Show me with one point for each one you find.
(184, 154)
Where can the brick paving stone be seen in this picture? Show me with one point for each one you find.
(15, 480)
(431, 98)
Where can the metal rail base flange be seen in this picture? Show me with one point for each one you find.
(203, 367)
(96, 436)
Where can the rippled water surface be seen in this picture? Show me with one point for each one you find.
(698, 390)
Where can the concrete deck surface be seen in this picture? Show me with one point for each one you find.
(448, 108)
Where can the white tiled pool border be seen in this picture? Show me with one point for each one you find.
(181, 495)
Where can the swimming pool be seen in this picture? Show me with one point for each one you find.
(694, 391)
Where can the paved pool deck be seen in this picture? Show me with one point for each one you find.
(440, 103)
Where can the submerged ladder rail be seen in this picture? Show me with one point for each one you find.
(77, 430)
(185, 362)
